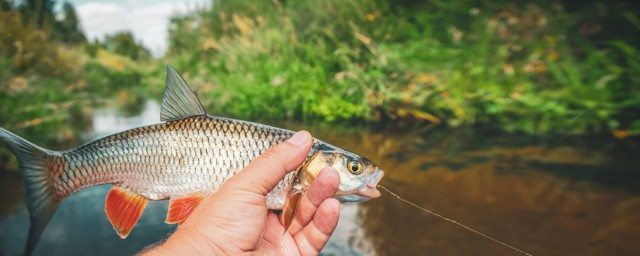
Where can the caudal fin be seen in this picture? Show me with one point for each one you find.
(37, 184)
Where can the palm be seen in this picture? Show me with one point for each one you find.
(242, 220)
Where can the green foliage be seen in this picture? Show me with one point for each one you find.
(538, 68)
(27, 46)
(522, 67)
(68, 29)
(49, 79)
(123, 43)
(33, 39)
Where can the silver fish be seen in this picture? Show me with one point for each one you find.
(183, 159)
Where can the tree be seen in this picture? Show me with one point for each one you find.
(38, 12)
(68, 29)
(124, 44)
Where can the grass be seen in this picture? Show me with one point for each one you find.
(520, 67)
(542, 68)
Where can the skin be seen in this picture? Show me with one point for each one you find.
(235, 220)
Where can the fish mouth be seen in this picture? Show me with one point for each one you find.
(371, 189)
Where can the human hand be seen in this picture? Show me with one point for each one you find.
(235, 219)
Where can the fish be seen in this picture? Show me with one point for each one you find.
(183, 159)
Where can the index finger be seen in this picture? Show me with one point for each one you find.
(322, 188)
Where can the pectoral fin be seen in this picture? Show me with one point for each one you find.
(290, 207)
(123, 209)
(180, 208)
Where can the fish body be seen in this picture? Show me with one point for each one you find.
(183, 159)
(173, 159)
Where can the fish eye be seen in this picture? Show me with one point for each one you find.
(354, 167)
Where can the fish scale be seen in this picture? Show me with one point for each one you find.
(193, 155)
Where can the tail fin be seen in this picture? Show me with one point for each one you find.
(39, 194)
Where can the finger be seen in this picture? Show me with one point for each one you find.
(274, 240)
(315, 235)
(264, 172)
(324, 186)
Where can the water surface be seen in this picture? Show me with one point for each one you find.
(559, 196)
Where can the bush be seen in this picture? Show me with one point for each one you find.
(522, 67)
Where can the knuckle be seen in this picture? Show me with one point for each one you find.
(274, 156)
(271, 155)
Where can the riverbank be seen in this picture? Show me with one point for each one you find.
(546, 68)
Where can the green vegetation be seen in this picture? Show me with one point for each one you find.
(50, 75)
(521, 67)
(546, 68)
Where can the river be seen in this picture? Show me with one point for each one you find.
(546, 196)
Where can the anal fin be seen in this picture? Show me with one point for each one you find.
(123, 209)
(181, 207)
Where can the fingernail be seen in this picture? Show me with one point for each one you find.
(299, 138)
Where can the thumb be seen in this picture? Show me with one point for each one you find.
(264, 172)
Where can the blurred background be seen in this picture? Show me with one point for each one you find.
(521, 120)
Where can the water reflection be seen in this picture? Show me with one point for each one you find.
(549, 200)
(545, 196)
(108, 120)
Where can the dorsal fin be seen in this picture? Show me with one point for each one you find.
(179, 101)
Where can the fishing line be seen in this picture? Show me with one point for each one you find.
(454, 222)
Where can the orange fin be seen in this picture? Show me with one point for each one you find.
(123, 209)
(290, 208)
(180, 208)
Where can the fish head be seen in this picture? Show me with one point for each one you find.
(358, 176)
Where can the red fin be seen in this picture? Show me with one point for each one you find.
(123, 209)
(181, 208)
